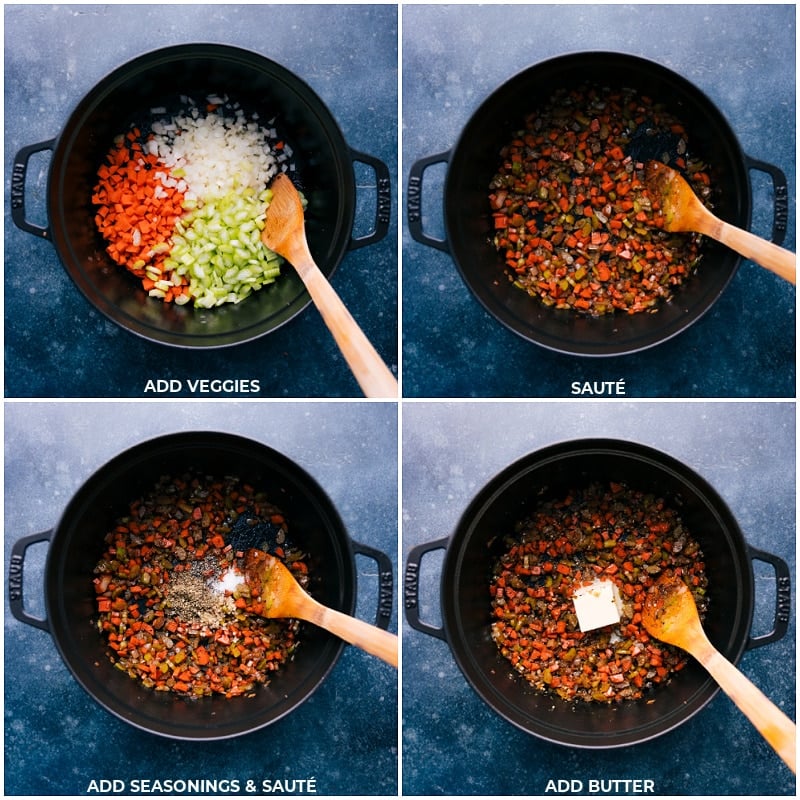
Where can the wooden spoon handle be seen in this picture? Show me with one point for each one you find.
(776, 259)
(373, 376)
(370, 638)
(768, 719)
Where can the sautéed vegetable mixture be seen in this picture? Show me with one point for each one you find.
(572, 219)
(609, 532)
(165, 605)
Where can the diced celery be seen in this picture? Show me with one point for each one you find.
(218, 247)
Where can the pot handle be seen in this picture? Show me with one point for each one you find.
(385, 582)
(15, 575)
(783, 598)
(383, 212)
(781, 191)
(414, 201)
(18, 176)
(411, 588)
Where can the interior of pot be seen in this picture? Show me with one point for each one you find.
(324, 172)
(469, 224)
(314, 526)
(552, 473)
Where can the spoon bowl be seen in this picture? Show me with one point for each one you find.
(670, 615)
(683, 211)
(282, 596)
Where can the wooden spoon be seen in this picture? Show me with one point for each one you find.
(670, 615)
(683, 211)
(284, 233)
(282, 596)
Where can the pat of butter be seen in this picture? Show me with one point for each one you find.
(597, 605)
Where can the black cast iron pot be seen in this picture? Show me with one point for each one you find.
(468, 227)
(158, 79)
(509, 497)
(76, 544)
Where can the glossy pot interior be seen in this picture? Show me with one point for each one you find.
(468, 223)
(76, 545)
(159, 79)
(477, 542)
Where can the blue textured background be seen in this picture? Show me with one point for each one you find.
(57, 739)
(453, 743)
(742, 57)
(57, 344)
